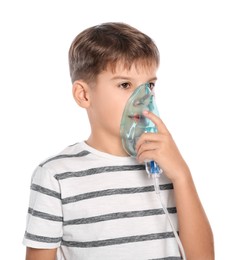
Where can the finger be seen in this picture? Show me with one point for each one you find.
(161, 127)
(146, 156)
(147, 147)
(148, 138)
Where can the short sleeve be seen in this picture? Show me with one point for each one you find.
(44, 218)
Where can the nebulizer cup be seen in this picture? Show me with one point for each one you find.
(134, 123)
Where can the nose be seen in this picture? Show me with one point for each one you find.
(143, 93)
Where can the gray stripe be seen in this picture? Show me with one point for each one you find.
(109, 192)
(42, 238)
(44, 215)
(45, 191)
(61, 156)
(119, 215)
(168, 258)
(92, 171)
(73, 144)
(118, 241)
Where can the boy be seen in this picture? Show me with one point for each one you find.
(93, 201)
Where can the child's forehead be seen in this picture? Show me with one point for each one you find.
(136, 73)
(139, 66)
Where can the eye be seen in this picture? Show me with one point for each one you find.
(124, 85)
(152, 85)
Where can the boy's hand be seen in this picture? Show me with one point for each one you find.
(161, 148)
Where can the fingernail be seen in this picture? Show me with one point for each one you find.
(145, 112)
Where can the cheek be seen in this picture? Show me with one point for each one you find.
(119, 107)
(115, 111)
(109, 108)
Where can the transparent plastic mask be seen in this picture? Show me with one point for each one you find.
(133, 123)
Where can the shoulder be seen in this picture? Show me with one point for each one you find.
(65, 157)
(60, 162)
(44, 178)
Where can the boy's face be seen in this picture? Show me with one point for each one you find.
(110, 94)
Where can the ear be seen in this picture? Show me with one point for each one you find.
(80, 91)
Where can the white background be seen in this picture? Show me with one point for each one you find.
(198, 94)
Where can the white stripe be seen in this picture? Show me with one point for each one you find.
(118, 228)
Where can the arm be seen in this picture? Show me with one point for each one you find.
(40, 254)
(195, 232)
(194, 229)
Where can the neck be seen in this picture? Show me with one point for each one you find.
(107, 144)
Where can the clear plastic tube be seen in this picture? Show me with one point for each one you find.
(157, 190)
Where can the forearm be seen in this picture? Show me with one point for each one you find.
(40, 254)
(194, 228)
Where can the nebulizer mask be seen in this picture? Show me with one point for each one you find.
(133, 125)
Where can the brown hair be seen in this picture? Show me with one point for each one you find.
(98, 47)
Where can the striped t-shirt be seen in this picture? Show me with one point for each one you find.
(93, 205)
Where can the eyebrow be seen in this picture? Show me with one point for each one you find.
(128, 78)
